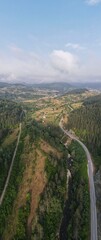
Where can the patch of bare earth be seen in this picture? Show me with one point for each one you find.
(33, 181)
(37, 187)
(47, 148)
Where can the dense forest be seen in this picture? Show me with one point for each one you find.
(75, 223)
(51, 204)
(39, 203)
(10, 113)
(78, 91)
(86, 122)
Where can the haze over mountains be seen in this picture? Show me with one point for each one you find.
(56, 86)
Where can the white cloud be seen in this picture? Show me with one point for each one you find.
(93, 2)
(75, 46)
(18, 64)
(65, 62)
(59, 65)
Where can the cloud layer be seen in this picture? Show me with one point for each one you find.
(19, 65)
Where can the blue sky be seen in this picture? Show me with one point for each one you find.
(43, 40)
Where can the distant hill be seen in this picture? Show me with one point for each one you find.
(90, 85)
(3, 84)
(78, 91)
(57, 86)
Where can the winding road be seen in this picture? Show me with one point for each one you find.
(91, 184)
(10, 170)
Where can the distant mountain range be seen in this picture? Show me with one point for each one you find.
(56, 86)
(89, 85)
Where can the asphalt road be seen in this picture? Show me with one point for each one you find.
(10, 170)
(91, 184)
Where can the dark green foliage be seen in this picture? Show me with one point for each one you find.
(52, 200)
(93, 100)
(79, 200)
(6, 155)
(54, 194)
(11, 193)
(50, 169)
(9, 114)
(49, 133)
(21, 229)
(78, 91)
(86, 122)
(51, 207)
(51, 219)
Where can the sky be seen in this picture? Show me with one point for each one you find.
(50, 40)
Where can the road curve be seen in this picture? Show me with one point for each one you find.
(10, 170)
(91, 184)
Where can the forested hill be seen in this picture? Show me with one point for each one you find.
(57, 86)
(86, 122)
(78, 91)
(9, 113)
(93, 100)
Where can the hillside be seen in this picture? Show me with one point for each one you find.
(37, 164)
(56, 86)
(86, 123)
(78, 91)
(49, 182)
